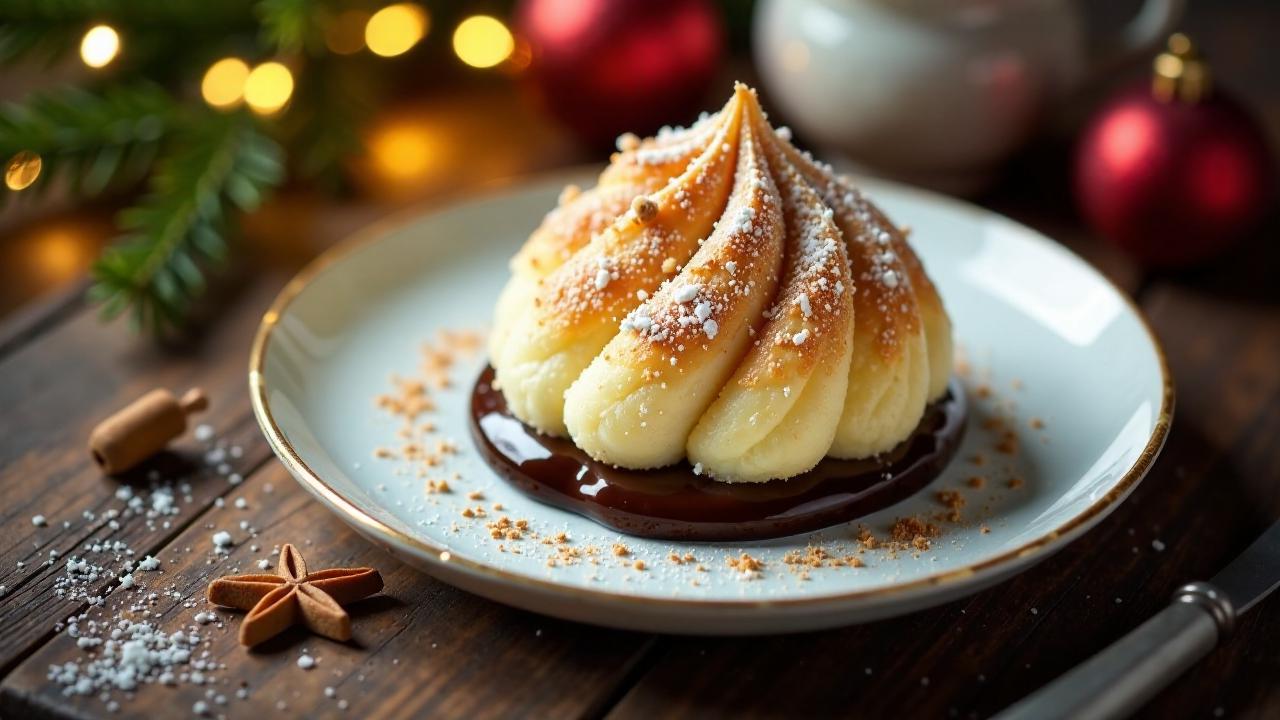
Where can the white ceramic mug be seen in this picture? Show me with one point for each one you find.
(935, 92)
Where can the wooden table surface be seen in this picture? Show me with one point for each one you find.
(424, 648)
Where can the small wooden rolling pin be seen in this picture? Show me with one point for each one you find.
(143, 429)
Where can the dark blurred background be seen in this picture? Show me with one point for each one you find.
(201, 140)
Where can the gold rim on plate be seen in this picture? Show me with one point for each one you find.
(443, 555)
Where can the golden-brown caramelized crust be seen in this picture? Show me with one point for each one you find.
(678, 347)
(722, 296)
(575, 310)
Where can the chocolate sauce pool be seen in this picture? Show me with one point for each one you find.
(673, 503)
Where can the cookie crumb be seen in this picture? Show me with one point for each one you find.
(745, 564)
(953, 501)
(644, 208)
(914, 532)
(1008, 443)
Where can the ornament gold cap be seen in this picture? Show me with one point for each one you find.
(1180, 73)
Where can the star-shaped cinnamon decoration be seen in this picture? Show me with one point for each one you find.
(292, 596)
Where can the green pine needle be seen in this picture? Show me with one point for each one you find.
(44, 30)
(216, 164)
(42, 40)
(95, 140)
(291, 25)
(332, 102)
(204, 167)
(48, 29)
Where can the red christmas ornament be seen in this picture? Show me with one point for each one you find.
(604, 67)
(1170, 172)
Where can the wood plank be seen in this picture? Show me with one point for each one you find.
(39, 316)
(1204, 504)
(423, 649)
(1221, 487)
(939, 662)
(56, 389)
(31, 606)
(1216, 487)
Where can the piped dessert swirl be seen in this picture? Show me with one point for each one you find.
(720, 296)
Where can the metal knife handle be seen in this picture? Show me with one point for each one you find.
(1120, 679)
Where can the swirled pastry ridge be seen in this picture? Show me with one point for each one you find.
(722, 297)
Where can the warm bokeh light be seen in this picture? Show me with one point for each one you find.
(482, 41)
(100, 46)
(519, 59)
(460, 139)
(22, 170)
(61, 252)
(403, 151)
(344, 34)
(50, 252)
(395, 29)
(224, 82)
(268, 87)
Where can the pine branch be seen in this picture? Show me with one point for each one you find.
(45, 29)
(333, 100)
(43, 40)
(31, 28)
(97, 140)
(291, 25)
(217, 164)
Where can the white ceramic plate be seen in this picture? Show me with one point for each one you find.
(1053, 339)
